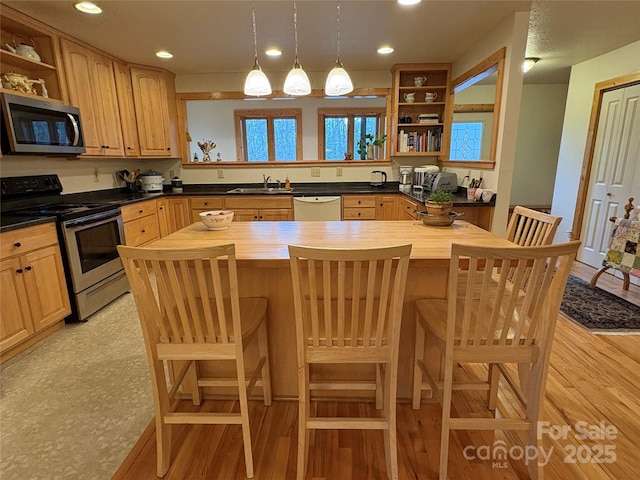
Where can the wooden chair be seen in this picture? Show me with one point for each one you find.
(189, 308)
(529, 228)
(621, 254)
(348, 307)
(505, 324)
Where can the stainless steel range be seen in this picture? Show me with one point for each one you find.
(89, 234)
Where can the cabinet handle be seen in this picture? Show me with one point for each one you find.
(17, 244)
(129, 148)
(206, 203)
(168, 148)
(143, 231)
(359, 214)
(140, 211)
(28, 268)
(19, 270)
(255, 217)
(161, 208)
(359, 202)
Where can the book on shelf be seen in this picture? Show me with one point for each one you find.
(413, 141)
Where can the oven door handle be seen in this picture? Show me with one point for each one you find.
(92, 220)
(76, 130)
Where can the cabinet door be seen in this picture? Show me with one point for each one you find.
(46, 286)
(78, 64)
(164, 217)
(275, 214)
(106, 104)
(246, 215)
(387, 207)
(180, 212)
(15, 319)
(92, 89)
(127, 112)
(152, 112)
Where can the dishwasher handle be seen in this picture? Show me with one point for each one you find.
(315, 199)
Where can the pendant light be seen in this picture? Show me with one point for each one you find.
(338, 81)
(257, 83)
(297, 82)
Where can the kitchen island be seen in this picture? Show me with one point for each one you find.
(263, 270)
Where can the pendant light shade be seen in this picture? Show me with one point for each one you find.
(297, 82)
(338, 81)
(257, 83)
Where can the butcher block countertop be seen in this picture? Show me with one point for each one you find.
(263, 270)
(268, 241)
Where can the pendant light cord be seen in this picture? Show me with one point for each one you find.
(295, 33)
(255, 38)
(338, 62)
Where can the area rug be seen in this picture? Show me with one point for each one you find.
(598, 310)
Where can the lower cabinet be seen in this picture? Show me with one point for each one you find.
(204, 204)
(140, 223)
(33, 286)
(173, 214)
(480, 216)
(260, 208)
(409, 209)
(370, 207)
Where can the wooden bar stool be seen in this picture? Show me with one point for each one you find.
(504, 324)
(348, 307)
(190, 310)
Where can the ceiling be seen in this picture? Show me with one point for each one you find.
(216, 36)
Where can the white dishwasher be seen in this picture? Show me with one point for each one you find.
(317, 208)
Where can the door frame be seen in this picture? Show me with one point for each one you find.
(587, 161)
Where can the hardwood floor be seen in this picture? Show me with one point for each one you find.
(593, 379)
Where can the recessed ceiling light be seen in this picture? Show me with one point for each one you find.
(409, 2)
(273, 52)
(88, 7)
(164, 54)
(385, 50)
(528, 63)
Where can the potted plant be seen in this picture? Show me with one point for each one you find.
(439, 203)
(366, 146)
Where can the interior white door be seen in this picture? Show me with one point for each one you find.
(614, 170)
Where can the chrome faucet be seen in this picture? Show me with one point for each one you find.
(265, 180)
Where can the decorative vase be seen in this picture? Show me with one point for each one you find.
(371, 155)
(438, 208)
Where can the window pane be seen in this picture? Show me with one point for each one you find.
(335, 137)
(466, 140)
(257, 149)
(285, 138)
(363, 126)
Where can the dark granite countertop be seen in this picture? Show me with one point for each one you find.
(9, 221)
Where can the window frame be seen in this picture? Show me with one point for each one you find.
(350, 113)
(268, 114)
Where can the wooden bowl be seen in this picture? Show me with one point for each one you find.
(439, 220)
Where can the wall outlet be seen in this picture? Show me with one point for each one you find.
(220, 173)
(315, 171)
(96, 175)
(338, 171)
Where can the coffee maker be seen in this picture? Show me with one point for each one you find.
(406, 178)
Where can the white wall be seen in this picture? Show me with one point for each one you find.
(79, 175)
(584, 77)
(538, 143)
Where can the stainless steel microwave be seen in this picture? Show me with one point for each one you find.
(40, 126)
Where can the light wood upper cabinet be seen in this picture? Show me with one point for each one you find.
(92, 88)
(151, 95)
(127, 109)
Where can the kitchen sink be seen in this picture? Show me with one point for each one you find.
(260, 190)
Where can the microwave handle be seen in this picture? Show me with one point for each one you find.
(76, 130)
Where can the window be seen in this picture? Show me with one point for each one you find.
(269, 135)
(466, 140)
(340, 130)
